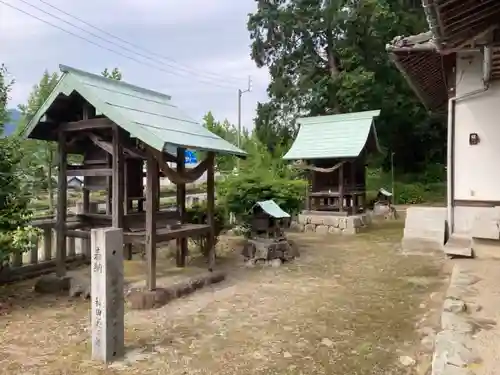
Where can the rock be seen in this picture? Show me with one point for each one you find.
(334, 230)
(454, 305)
(51, 284)
(454, 322)
(454, 370)
(287, 355)
(427, 331)
(275, 263)
(327, 342)
(250, 263)
(407, 361)
(451, 349)
(79, 287)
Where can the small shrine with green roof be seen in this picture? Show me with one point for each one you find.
(333, 150)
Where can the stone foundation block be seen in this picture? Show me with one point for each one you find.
(141, 299)
(332, 224)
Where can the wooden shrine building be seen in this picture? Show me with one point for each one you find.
(117, 127)
(333, 150)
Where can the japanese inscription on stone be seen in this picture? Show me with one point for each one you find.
(107, 316)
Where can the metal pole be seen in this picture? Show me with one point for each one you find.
(239, 117)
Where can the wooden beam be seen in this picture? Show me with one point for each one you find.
(182, 247)
(62, 186)
(211, 212)
(117, 179)
(87, 124)
(88, 172)
(151, 208)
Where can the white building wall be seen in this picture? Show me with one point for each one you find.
(476, 167)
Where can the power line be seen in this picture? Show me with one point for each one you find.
(102, 46)
(162, 57)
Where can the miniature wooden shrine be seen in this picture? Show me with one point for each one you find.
(115, 146)
(267, 241)
(332, 150)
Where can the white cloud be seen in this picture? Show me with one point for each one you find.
(207, 38)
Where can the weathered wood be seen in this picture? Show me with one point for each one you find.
(109, 186)
(151, 209)
(181, 205)
(117, 180)
(88, 172)
(62, 191)
(211, 214)
(72, 234)
(34, 252)
(47, 244)
(341, 188)
(70, 244)
(87, 124)
(166, 235)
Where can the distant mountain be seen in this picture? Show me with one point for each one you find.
(11, 125)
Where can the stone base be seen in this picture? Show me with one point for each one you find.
(52, 284)
(140, 299)
(324, 223)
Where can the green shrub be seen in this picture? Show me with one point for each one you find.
(239, 193)
(197, 214)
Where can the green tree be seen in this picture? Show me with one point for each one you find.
(328, 57)
(39, 159)
(115, 74)
(229, 132)
(14, 213)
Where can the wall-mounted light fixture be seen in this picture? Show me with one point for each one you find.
(473, 139)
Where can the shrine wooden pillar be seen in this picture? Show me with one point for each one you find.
(341, 188)
(117, 179)
(152, 175)
(308, 188)
(211, 210)
(62, 192)
(87, 113)
(182, 244)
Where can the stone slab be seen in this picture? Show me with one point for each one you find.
(107, 315)
(424, 228)
(459, 244)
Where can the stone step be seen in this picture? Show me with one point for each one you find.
(424, 228)
(459, 244)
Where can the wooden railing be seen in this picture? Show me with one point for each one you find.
(41, 258)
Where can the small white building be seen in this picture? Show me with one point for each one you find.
(455, 70)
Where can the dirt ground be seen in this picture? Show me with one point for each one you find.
(349, 305)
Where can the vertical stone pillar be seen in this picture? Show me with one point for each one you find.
(107, 294)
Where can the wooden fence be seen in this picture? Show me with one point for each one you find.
(41, 258)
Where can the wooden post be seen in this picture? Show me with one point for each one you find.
(107, 317)
(341, 187)
(211, 211)
(109, 188)
(127, 203)
(151, 209)
(62, 191)
(47, 244)
(117, 179)
(308, 189)
(181, 205)
(352, 188)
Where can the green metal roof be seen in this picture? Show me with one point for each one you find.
(147, 115)
(271, 208)
(333, 136)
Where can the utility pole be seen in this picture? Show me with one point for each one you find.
(240, 93)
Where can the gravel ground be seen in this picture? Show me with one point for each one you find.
(349, 305)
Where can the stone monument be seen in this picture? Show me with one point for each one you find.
(107, 298)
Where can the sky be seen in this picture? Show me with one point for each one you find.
(197, 51)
